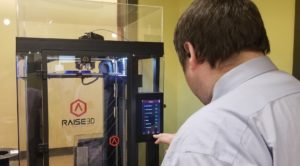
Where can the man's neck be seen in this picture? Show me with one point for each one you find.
(222, 68)
(236, 60)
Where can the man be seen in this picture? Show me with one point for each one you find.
(252, 111)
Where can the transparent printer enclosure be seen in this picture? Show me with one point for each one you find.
(76, 96)
(70, 19)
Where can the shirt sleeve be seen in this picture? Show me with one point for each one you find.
(193, 159)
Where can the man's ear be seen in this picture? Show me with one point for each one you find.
(192, 60)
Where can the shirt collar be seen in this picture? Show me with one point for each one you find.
(241, 74)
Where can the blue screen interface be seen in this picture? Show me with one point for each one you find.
(151, 116)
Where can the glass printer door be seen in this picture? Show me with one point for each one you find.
(86, 109)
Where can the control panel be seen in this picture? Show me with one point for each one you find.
(150, 115)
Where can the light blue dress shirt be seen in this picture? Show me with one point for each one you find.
(253, 120)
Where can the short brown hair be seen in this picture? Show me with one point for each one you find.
(218, 29)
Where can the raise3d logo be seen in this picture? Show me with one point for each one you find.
(78, 108)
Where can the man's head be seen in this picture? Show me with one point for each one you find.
(214, 36)
(220, 29)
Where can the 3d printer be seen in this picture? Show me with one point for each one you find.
(88, 101)
(83, 100)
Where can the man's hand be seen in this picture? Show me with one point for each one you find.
(165, 138)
